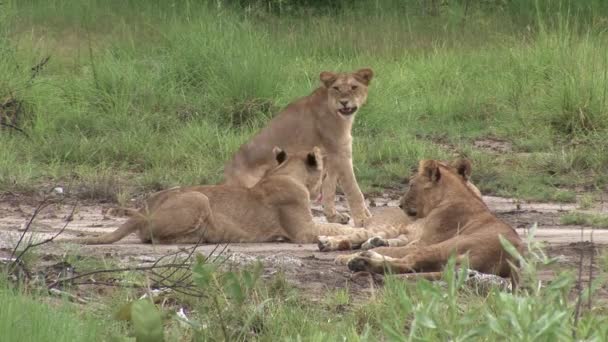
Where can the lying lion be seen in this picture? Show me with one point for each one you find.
(325, 119)
(452, 221)
(388, 226)
(277, 207)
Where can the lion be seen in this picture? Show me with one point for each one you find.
(325, 119)
(388, 227)
(452, 220)
(275, 208)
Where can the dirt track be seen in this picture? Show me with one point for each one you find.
(303, 265)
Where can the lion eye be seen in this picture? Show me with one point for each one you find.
(336, 88)
(354, 87)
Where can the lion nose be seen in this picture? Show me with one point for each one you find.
(400, 206)
(344, 103)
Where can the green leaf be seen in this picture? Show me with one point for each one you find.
(233, 287)
(147, 322)
(202, 273)
(426, 321)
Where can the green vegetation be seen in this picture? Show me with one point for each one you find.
(241, 306)
(143, 95)
(26, 318)
(584, 219)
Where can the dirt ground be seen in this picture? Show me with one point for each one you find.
(303, 265)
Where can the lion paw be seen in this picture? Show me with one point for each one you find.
(338, 218)
(328, 244)
(363, 219)
(359, 264)
(344, 259)
(324, 244)
(374, 242)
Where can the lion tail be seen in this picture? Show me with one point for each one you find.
(132, 225)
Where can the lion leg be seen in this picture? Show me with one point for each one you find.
(348, 183)
(417, 259)
(344, 259)
(329, 198)
(332, 239)
(379, 241)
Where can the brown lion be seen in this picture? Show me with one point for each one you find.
(275, 208)
(388, 227)
(325, 119)
(452, 221)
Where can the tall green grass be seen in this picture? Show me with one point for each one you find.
(240, 304)
(163, 93)
(24, 318)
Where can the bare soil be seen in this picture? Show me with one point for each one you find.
(303, 265)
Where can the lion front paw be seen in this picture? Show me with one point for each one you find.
(359, 264)
(328, 244)
(369, 261)
(337, 217)
(344, 259)
(374, 242)
(324, 244)
(362, 218)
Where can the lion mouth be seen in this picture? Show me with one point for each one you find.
(347, 110)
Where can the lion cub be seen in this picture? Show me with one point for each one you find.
(325, 119)
(388, 227)
(277, 207)
(452, 220)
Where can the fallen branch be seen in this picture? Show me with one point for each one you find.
(52, 238)
(45, 203)
(112, 270)
(67, 295)
(15, 128)
(36, 69)
(16, 255)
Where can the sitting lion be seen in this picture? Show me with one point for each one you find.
(277, 207)
(323, 118)
(388, 227)
(452, 220)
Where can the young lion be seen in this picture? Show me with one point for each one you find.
(277, 207)
(388, 226)
(453, 220)
(324, 119)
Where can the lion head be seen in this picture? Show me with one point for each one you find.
(434, 182)
(305, 167)
(346, 92)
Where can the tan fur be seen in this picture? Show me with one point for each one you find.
(323, 118)
(452, 221)
(276, 208)
(388, 227)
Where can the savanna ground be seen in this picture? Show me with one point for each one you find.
(109, 100)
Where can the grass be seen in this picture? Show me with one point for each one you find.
(584, 219)
(138, 97)
(240, 305)
(27, 318)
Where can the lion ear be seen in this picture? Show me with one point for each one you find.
(463, 167)
(328, 78)
(279, 155)
(429, 169)
(364, 75)
(314, 159)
